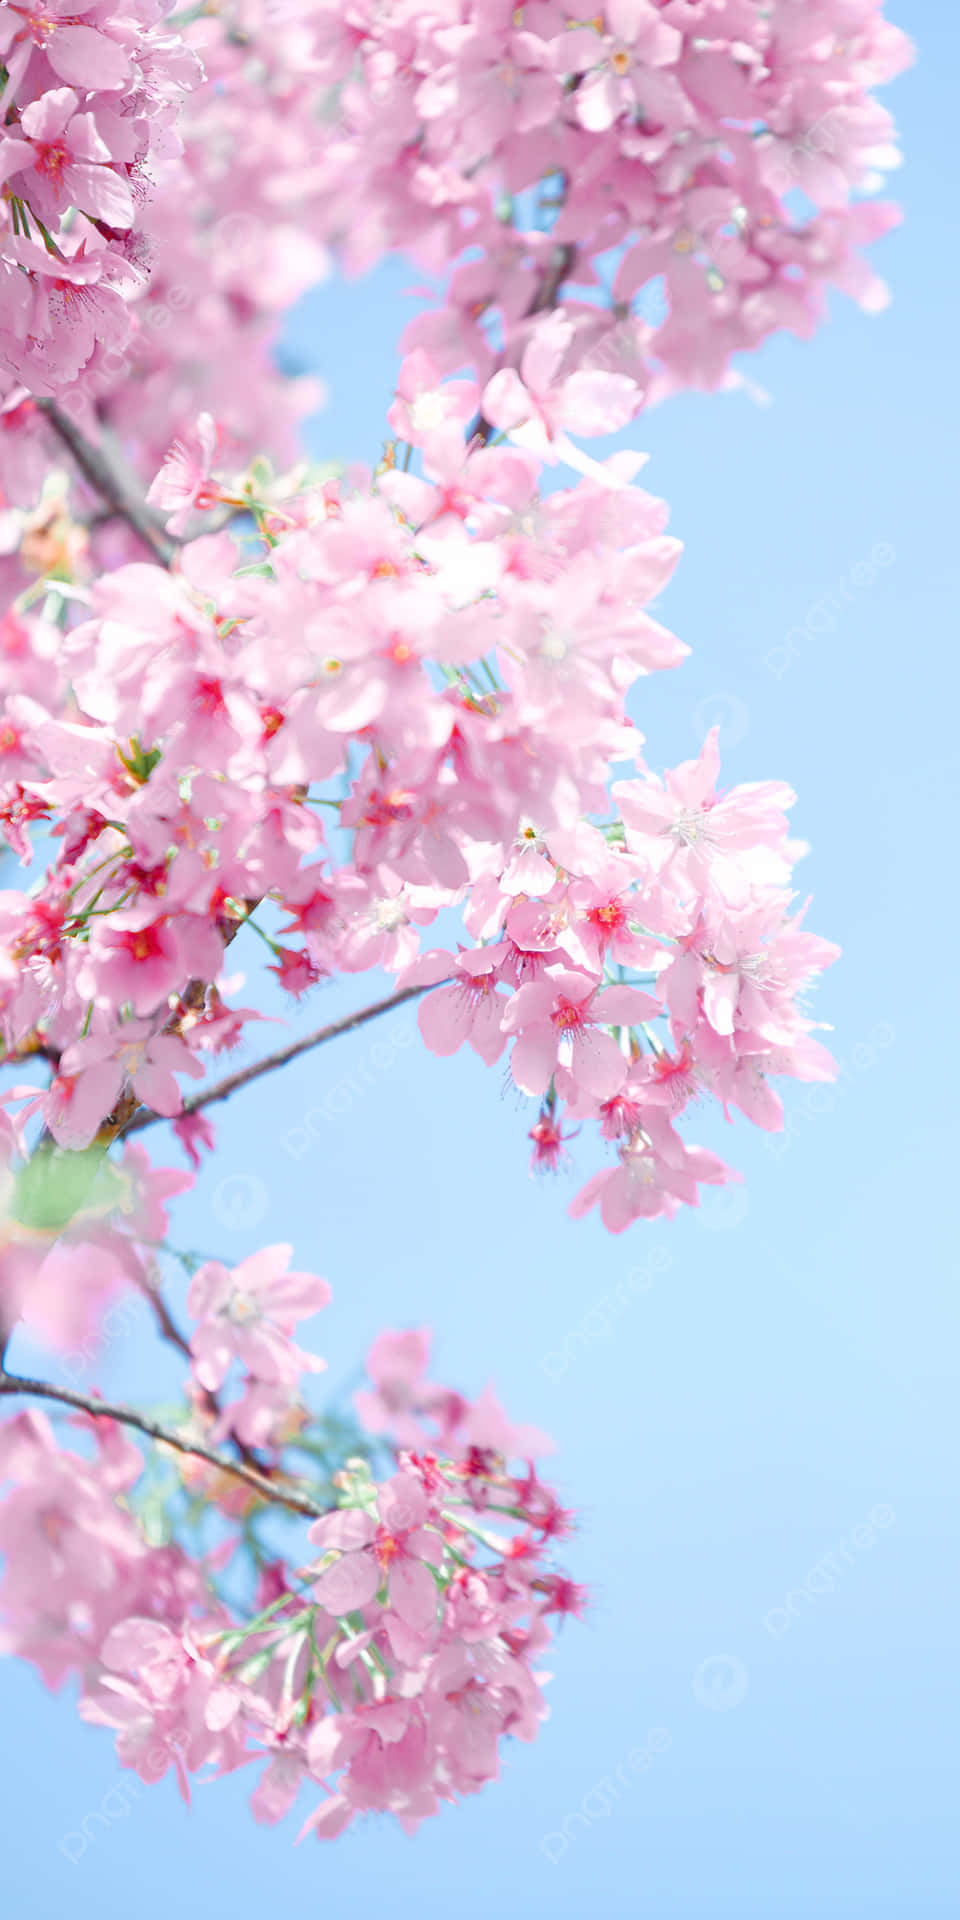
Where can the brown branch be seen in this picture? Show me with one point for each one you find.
(168, 1327)
(546, 294)
(109, 1410)
(115, 486)
(223, 1088)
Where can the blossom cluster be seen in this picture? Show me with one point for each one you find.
(90, 93)
(438, 664)
(683, 179)
(706, 154)
(381, 1666)
(379, 722)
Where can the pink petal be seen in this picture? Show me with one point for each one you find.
(137, 1643)
(598, 1065)
(598, 101)
(158, 1090)
(595, 402)
(348, 1530)
(720, 996)
(402, 1503)
(352, 1582)
(533, 1059)
(506, 402)
(624, 1006)
(413, 1594)
(45, 119)
(390, 1720)
(212, 1354)
(544, 353)
(428, 969)
(101, 192)
(487, 1037)
(528, 872)
(86, 58)
(330, 1818)
(444, 1019)
(424, 1545)
(533, 1003)
(210, 1285)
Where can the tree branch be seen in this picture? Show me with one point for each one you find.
(223, 1088)
(546, 294)
(114, 485)
(11, 1383)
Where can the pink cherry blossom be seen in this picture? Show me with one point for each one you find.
(372, 702)
(540, 406)
(397, 1364)
(93, 1072)
(623, 70)
(183, 483)
(395, 1549)
(246, 1313)
(559, 1021)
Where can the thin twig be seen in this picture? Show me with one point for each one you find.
(546, 294)
(242, 1078)
(165, 1321)
(128, 1416)
(114, 485)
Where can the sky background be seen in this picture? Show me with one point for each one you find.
(773, 1411)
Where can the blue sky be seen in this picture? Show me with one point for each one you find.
(758, 1717)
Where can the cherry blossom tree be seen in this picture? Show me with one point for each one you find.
(241, 696)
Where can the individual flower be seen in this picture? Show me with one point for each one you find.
(184, 485)
(394, 1549)
(247, 1313)
(559, 1022)
(93, 1072)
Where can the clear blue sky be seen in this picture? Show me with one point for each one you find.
(786, 1375)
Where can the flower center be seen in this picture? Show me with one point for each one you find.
(387, 1547)
(427, 411)
(610, 916)
(52, 158)
(52, 1524)
(143, 945)
(389, 915)
(242, 1308)
(691, 828)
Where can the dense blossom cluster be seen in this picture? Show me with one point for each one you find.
(90, 93)
(382, 1665)
(440, 665)
(704, 150)
(382, 721)
(685, 176)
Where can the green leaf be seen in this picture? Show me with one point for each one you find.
(55, 1186)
